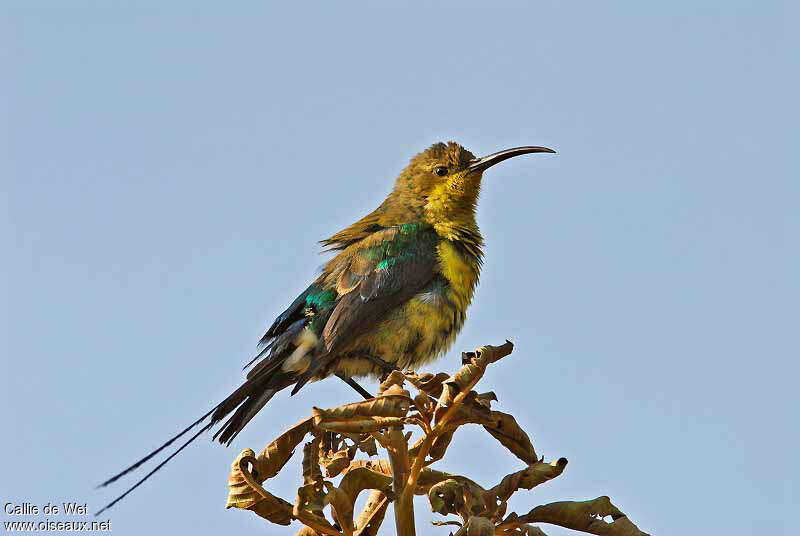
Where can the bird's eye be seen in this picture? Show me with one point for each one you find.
(440, 170)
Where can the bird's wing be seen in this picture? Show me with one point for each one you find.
(370, 279)
(377, 279)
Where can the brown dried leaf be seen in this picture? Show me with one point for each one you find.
(311, 470)
(311, 495)
(365, 416)
(427, 382)
(395, 378)
(335, 454)
(395, 404)
(368, 446)
(486, 399)
(361, 478)
(246, 496)
(440, 445)
(359, 424)
(586, 516)
(457, 495)
(342, 507)
(423, 403)
(485, 355)
(429, 477)
(371, 517)
(381, 465)
(336, 462)
(477, 526)
(311, 498)
(475, 364)
(535, 474)
(275, 455)
(472, 411)
(446, 497)
(506, 430)
(465, 378)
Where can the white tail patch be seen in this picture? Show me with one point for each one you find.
(299, 360)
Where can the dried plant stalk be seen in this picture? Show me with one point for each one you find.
(442, 404)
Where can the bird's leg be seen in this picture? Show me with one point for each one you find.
(388, 368)
(354, 384)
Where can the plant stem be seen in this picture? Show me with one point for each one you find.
(397, 448)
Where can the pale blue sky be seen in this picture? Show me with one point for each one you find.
(167, 169)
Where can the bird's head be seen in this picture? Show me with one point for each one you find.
(445, 179)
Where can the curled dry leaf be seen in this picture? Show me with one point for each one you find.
(371, 517)
(586, 516)
(505, 429)
(472, 411)
(485, 355)
(245, 493)
(368, 446)
(311, 470)
(395, 378)
(446, 497)
(342, 507)
(486, 399)
(275, 455)
(466, 376)
(440, 445)
(427, 478)
(477, 526)
(311, 498)
(428, 383)
(311, 495)
(361, 478)
(336, 462)
(475, 364)
(366, 416)
(423, 403)
(381, 465)
(500, 425)
(309, 504)
(535, 474)
(334, 454)
(457, 495)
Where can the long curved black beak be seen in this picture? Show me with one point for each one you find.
(479, 164)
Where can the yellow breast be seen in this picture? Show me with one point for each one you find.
(459, 272)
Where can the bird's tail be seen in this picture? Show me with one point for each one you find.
(242, 405)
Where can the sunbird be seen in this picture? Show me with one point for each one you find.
(394, 295)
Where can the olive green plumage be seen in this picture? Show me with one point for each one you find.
(397, 288)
